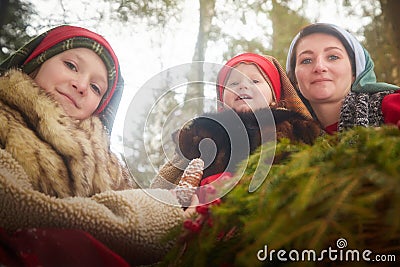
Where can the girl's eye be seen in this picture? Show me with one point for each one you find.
(95, 88)
(256, 81)
(70, 65)
(333, 57)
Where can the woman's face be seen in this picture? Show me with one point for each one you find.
(77, 79)
(246, 89)
(323, 69)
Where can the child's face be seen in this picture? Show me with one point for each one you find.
(246, 89)
(77, 79)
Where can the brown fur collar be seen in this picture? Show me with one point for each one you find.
(62, 156)
(224, 139)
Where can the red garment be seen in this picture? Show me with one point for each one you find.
(331, 129)
(214, 177)
(206, 191)
(391, 108)
(55, 247)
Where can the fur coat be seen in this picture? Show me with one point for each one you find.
(34, 163)
(61, 156)
(224, 139)
(228, 130)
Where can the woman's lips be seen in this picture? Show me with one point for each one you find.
(320, 80)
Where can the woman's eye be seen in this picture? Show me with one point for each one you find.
(305, 61)
(333, 57)
(70, 65)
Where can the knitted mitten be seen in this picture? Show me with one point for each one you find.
(189, 181)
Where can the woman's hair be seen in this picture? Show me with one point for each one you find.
(319, 28)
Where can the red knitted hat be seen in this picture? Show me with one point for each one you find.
(263, 64)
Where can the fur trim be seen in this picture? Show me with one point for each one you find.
(62, 156)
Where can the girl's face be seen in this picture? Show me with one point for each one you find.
(323, 69)
(77, 79)
(246, 89)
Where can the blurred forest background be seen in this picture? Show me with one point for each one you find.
(221, 30)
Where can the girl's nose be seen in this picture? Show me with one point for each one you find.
(244, 83)
(81, 85)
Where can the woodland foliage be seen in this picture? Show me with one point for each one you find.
(344, 186)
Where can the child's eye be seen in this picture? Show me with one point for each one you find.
(256, 81)
(95, 88)
(233, 83)
(70, 65)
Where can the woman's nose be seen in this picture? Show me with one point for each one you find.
(320, 65)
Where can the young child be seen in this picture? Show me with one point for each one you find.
(246, 83)
(250, 81)
(54, 124)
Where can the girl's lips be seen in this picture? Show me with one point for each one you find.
(71, 99)
(243, 97)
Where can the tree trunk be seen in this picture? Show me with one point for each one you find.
(391, 11)
(194, 91)
(3, 12)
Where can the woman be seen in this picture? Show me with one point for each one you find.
(335, 76)
(58, 98)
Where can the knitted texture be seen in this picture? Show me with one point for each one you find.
(362, 109)
(189, 182)
(170, 173)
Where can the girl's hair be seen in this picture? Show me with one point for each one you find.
(319, 28)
